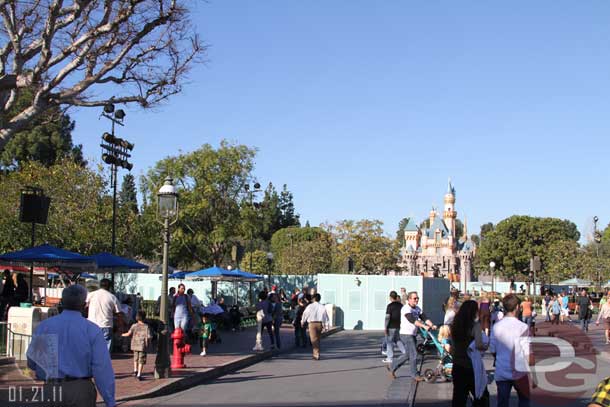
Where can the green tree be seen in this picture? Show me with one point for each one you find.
(485, 229)
(400, 233)
(305, 250)
(211, 186)
(46, 139)
(287, 215)
(365, 243)
(260, 264)
(514, 240)
(80, 214)
(128, 196)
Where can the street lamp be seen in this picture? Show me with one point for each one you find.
(269, 262)
(167, 206)
(492, 266)
(254, 205)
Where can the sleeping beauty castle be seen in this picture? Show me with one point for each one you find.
(437, 251)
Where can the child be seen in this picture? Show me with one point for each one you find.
(444, 337)
(206, 332)
(140, 338)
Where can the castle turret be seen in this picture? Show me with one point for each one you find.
(449, 213)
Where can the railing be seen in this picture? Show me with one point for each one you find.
(17, 344)
(4, 326)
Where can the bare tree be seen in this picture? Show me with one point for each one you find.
(71, 53)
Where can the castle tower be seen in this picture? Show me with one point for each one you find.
(432, 216)
(449, 213)
(412, 235)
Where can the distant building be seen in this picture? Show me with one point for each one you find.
(437, 251)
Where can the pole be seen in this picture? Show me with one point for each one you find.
(32, 265)
(493, 277)
(162, 360)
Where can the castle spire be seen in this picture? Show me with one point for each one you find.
(465, 235)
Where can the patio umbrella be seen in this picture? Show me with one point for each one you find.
(578, 282)
(213, 273)
(48, 256)
(110, 263)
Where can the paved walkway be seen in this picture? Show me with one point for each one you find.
(234, 352)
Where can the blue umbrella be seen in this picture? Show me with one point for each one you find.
(111, 263)
(245, 276)
(213, 273)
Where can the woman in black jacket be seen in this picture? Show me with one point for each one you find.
(465, 329)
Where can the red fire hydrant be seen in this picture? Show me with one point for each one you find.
(180, 349)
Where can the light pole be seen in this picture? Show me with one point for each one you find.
(597, 236)
(269, 262)
(167, 200)
(492, 266)
(253, 205)
(116, 155)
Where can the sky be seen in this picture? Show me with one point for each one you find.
(366, 108)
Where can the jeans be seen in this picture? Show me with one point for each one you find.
(463, 384)
(584, 324)
(181, 321)
(391, 339)
(410, 343)
(108, 337)
(277, 324)
(521, 386)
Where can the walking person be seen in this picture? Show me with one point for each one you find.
(22, 291)
(67, 352)
(510, 347)
(392, 327)
(413, 318)
(565, 311)
(181, 308)
(316, 317)
(555, 307)
(140, 339)
(547, 302)
(583, 308)
(526, 311)
(300, 339)
(103, 306)
(403, 295)
(278, 318)
(464, 330)
(485, 313)
(264, 320)
(604, 313)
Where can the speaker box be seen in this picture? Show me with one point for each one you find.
(34, 208)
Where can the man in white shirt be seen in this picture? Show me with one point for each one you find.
(412, 319)
(103, 306)
(509, 343)
(316, 317)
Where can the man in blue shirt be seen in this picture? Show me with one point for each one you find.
(67, 351)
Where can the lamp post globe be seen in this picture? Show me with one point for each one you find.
(167, 202)
(492, 265)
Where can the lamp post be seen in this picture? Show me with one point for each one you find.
(116, 154)
(597, 236)
(269, 262)
(167, 200)
(492, 266)
(257, 188)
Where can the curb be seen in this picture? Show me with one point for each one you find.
(211, 374)
(9, 360)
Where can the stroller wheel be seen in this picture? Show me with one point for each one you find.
(429, 375)
(421, 348)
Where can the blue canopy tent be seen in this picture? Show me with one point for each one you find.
(176, 275)
(216, 274)
(110, 263)
(48, 256)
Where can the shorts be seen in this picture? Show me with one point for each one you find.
(607, 323)
(565, 312)
(139, 357)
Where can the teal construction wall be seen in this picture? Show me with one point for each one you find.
(363, 306)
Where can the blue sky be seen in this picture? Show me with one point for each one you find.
(365, 108)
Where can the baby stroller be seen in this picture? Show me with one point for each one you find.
(444, 368)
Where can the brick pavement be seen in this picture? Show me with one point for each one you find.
(234, 352)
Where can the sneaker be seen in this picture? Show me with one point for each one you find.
(202, 353)
(257, 349)
(139, 378)
(384, 353)
(386, 360)
(135, 372)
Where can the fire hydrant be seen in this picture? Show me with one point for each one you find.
(180, 349)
